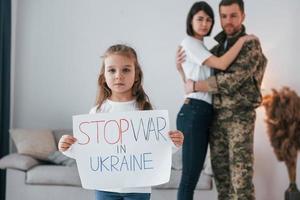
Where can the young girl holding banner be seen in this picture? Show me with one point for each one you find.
(120, 89)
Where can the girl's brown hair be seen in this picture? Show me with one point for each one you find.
(104, 92)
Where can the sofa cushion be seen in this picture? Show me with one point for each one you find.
(60, 132)
(53, 175)
(207, 164)
(60, 159)
(18, 161)
(62, 175)
(204, 183)
(36, 143)
(177, 160)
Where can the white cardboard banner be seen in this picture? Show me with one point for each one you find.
(121, 150)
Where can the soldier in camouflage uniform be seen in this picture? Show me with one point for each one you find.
(236, 95)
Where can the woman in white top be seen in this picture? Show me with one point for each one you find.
(120, 89)
(195, 116)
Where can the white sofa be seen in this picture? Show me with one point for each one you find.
(33, 179)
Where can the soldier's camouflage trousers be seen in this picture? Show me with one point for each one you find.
(231, 143)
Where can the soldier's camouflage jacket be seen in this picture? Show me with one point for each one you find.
(238, 87)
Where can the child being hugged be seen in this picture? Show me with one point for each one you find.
(120, 89)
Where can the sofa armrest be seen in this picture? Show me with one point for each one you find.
(18, 161)
(204, 183)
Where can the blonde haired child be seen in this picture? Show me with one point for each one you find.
(120, 89)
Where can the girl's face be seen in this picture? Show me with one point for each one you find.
(119, 76)
(201, 24)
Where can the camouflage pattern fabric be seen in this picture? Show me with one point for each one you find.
(231, 143)
(239, 85)
(236, 95)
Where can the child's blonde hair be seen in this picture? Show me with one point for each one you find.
(138, 92)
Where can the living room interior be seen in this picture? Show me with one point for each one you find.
(55, 57)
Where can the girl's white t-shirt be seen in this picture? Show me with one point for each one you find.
(193, 68)
(113, 106)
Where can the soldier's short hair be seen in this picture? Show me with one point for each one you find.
(240, 3)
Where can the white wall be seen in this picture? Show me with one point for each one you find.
(58, 44)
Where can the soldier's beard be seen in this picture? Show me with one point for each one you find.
(230, 30)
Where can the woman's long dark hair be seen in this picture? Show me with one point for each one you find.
(196, 7)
